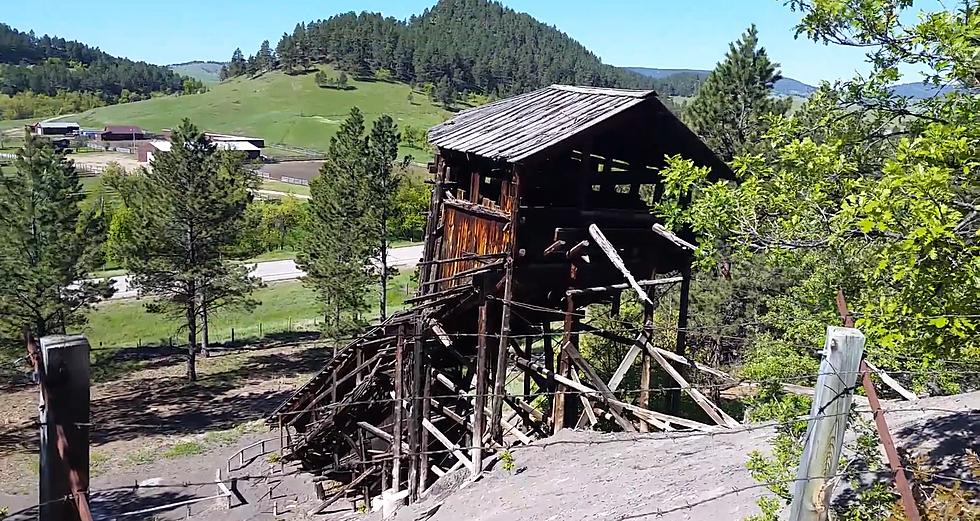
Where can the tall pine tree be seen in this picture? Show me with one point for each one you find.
(383, 185)
(341, 240)
(729, 109)
(189, 213)
(46, 243)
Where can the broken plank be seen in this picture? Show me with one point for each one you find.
(594, 379)
(713, 411)
(891, 382)
(617, 261)
(589, 412)
(340, 493)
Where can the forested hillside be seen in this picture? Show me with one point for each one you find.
(457, 45)
(40, 73)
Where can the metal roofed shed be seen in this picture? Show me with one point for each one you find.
(55, 128)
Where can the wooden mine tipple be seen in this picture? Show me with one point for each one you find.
(540, 207)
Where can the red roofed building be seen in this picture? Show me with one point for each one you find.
(122, 133)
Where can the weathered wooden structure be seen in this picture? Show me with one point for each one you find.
(541, 207)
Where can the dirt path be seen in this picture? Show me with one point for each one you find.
(150, 425)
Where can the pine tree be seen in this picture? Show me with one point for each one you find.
(46, 243)
(286, 52)
(189, 211)
(236, 67)
(340, 240)
(730, 107)
(264, 60)
(383, 186)
(445, 93)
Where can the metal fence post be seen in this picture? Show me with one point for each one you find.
(838, 374)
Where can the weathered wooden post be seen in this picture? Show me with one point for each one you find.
(63, 375)
(839, 370)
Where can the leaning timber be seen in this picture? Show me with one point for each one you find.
(540, 208)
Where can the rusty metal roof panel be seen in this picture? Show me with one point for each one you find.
(516, 128)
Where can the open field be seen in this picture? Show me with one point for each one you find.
(278, 107)
(285, 306)
(285, 188)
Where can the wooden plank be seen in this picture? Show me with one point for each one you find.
(657, 419)
(500, 374)
(453, 448)
(624, 366)
(341, 493)
(713, 411)
(396, 446)
(597, 382)
(589, 412)
(891, 382)
(617, 261)
(616, 287)
(838, 373)
(660, 230)
(441, 334)
(480, 399)
(380, 433)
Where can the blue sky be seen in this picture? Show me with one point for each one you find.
(649, 33)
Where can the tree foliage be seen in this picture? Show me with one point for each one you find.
(188, 210)
(341, 239)
(732, 107)
(864, 190)
(49, 65)
(47, 244)
(474, 45)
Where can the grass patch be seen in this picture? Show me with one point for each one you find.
(229, 436)
(273, 256)
(141, 457)
(281, 108)
(285, 306)
(97, 462)
(182, 449)
(286, 188)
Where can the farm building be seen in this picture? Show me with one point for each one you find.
(542, 207)
(230, 138)
(122, 133)
(148, 149)
(55, 128)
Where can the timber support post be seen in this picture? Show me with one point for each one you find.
(62, 367)
(674, 396)
(480, 398)
(835, 387)
(500, 373)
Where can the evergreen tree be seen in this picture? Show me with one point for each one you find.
(341, 239)
(188, 211)
(730, 107)
(264, 60)
(46, 244)
(445, 93)
(383, 187)
(286, 52)
(236, 67)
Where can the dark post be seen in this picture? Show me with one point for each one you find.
(396, 445)
(480, 400)
(63, 373)
(674, 396)
(500, 373)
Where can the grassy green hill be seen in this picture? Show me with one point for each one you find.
(206, 72)
(280, 108)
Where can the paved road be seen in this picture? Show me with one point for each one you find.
(274, 271)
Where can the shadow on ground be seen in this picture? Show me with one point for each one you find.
(112, 503)
(221, 400)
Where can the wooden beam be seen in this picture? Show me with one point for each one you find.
(589, 412)
(891, 382)
(380, 433)
(554, 248)
(713, 411)
(342, 492)
(655, 418)
(500, 373)
(597, 382)
(660, 230)
(396, 446)
(480, 400)
(617, 261)
(448, 444)
(625, 285)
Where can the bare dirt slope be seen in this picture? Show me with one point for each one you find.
(591, 476)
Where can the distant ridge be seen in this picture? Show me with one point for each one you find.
(787, 86)
(204, 71)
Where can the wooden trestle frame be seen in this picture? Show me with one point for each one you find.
(511, 248)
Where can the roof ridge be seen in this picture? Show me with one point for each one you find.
(605, 91)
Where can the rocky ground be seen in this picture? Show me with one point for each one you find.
(592, 476)
(158, 440)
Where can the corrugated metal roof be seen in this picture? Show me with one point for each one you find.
(57, 124)
(123, 129)
(516, 128)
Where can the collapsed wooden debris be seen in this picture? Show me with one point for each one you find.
(541, 207)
